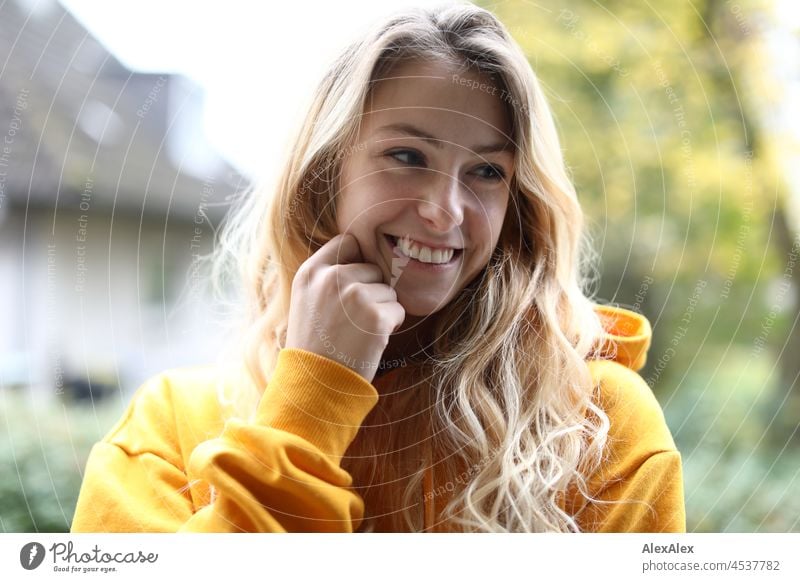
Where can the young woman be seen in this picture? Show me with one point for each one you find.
(421, 355)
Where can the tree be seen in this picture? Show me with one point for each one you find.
(671, 166)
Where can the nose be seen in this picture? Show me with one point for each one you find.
(441, 206)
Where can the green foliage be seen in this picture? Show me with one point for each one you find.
(746, 491)
(736, 480)
(43, 457)
(652, 123)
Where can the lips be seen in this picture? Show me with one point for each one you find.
(435, 246)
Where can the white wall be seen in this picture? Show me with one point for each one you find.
(113, 321)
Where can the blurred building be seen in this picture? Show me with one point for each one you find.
(108, 194)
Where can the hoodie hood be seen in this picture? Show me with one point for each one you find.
(627, 336)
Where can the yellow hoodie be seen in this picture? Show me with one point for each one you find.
(153, 471)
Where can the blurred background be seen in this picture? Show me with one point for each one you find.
(126, 129)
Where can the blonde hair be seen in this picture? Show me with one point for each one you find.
(506, 401)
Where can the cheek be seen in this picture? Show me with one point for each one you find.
(352, 199)
(382, 186)
(499, 216)
(370, 200)
(364, 205)
(490, 218)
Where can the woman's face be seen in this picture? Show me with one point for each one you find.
(426, 185)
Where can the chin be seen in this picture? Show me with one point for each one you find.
(422, 306)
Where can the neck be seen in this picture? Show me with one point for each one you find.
(413, 341)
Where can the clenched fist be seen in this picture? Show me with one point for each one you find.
(341, 308)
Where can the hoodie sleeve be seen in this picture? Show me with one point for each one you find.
(279, 473)
(640, 486)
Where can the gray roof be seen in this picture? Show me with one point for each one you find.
(71, 113)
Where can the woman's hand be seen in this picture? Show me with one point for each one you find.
(341, 309)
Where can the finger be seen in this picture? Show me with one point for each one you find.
(341, 249)
(397, 313)
(359, 273)
(377, 292)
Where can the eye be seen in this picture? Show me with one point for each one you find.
(489, 172)
(409, 157)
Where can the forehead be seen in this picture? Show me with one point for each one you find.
(463, 107)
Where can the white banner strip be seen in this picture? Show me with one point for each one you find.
(401, 557)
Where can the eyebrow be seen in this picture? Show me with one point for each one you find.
(408, 129)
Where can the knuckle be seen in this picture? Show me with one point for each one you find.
(301, 278)
(306, 271)
(331, 279)
(372, 318)
(383, 321)
(354, 293)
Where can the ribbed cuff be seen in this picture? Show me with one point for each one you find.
(317, 399)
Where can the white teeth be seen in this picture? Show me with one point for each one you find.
(422, 253)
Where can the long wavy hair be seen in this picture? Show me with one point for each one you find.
(503, 411)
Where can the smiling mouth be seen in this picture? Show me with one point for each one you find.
(423, 254)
